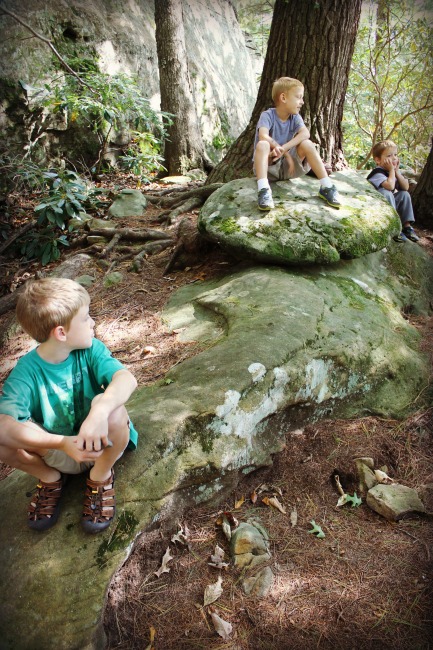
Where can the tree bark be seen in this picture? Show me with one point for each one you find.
(422, 198)
(313, 42)
(183, 146)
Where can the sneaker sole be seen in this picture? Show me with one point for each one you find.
(333, 205)
(266, 209)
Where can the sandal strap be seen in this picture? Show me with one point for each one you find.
(99, 500)
(45, 500)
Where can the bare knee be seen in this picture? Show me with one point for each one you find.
(263, 149)
(305, 147)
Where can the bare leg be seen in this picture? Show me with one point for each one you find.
(118, 433)
(29, 462)
(261, 159)
(307, 150)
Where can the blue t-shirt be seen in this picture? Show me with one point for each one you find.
(58, 396)
(281, 131)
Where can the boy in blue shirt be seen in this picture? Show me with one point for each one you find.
(62, 409)
(390, 182)
(282, 148)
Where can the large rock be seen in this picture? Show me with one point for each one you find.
(120, 38)
(282, 347)
(301, 229)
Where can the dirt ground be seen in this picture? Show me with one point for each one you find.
(368, 583)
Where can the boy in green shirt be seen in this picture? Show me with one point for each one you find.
(62, 409)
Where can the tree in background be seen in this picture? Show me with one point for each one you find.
(423, 195)
(390, 94)
(183, 146)
(312, 41)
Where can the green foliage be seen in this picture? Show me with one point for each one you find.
(65, 199)
(142, 155)
(64, 194)
(256, 20)
(44, 244)
(389, 94)
(103, 104)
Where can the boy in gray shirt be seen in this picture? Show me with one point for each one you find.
(282, 148)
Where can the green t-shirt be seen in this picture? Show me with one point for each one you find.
(58, 396)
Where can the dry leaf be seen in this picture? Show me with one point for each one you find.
(294, 516)
(226, 528)
(181, 536)
(149, 349)
(227, 521)
(217, 558)
(253, 496)
(224, 628)
(165, 560)
(264, 487)
(273, 501)
(239, 503)
(382, 477)
(152, 638)
(213, 592)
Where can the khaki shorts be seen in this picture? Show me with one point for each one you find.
(280, 170)
(57, 459)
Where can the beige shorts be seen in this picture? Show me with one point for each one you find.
(57, 459)
(280, 170)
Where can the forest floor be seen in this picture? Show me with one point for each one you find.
(368, 583)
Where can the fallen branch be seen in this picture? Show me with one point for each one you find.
(17, 235)
(151, 248)
(131, 235)
(203, 191)
(185, 206)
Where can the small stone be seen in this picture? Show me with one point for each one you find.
(100, 224)
(394, 501)
(260, 584)
(113, 278)
(129, 203)
(85, 280)
(176, 180)
(248, 539)
(366, 475)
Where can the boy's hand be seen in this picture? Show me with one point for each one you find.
(70, 447)
(93, 435)
(388, 164)
(277, 152)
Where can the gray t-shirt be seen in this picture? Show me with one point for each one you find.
(280, 131)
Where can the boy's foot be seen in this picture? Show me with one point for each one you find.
(44, 508)
(331, 196)
(99, 505)
(400, 238)
(265, 201)
(410, 233)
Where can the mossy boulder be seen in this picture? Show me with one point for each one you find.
(302, 228)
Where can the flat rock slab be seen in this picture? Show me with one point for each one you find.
(302, 228)
(395, 502)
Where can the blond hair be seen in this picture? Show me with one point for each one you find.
(380, 147)
(45, 304)
(283, 85)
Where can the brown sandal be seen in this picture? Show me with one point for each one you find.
(44, 508)
(99, 505)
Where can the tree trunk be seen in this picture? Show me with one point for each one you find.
(422, 197)
(313, 42)
(184, 146)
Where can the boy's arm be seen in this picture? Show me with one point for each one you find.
(278, 150)
(94, 430)
(402, 181)
(302, 134)
(389, 184)
(30, 436)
